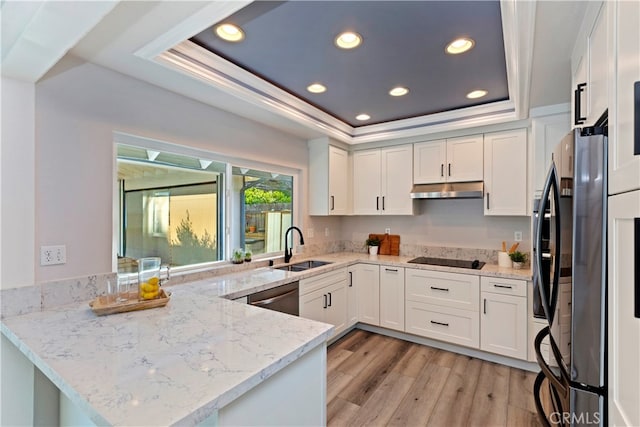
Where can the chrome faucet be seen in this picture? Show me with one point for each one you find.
(288, 252)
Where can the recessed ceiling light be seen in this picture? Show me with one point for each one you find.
(348, 40)
(230, 32)
(460, 45)
(476, 94)
(316, 88)
(363, 117)
(398, 91)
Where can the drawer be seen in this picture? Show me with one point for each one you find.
(448, 289)
(320, 281)
(497, 285)
(443, 323)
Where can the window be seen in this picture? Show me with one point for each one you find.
(173, 206)
(265, 209)
(169, 207)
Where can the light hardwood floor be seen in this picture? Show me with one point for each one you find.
(375, 380)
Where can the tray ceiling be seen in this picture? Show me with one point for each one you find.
(291, 45)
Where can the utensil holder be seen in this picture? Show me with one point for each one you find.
(504, 260)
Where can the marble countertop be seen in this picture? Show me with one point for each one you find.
(172, 365)
(180, 363)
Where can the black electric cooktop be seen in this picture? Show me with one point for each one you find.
(459, 263)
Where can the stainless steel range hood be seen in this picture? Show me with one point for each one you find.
(449, 190)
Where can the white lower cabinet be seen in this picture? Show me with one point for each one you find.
(367, 283)
(503, 319)
(443, 306)
(443, 323)
(352, 297)
(392, 297)
(324, 298)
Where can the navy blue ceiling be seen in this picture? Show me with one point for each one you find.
(291, 44)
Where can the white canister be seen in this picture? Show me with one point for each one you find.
(504, 260)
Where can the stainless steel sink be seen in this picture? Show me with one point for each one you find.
(302, 266)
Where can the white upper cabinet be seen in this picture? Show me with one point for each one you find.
(429, 159)
(505, 178)
(547, 132)
(382, 181)
(328, 179)
(450, 160)
(590, 65)
(366, 182)
(624, 144)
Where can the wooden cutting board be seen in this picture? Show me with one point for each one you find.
(389, 243)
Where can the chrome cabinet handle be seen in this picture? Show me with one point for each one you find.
(382, 202)
(329, 299)
(377, 203)
(439, 323)
(351, 279)
(333, 203)
(325, 300)
(449, 169)
(488, 195)
(485, 306)
(503, 286)
(441, 169)
(391, 269)
(435, 288)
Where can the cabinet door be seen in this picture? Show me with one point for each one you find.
(313, 305)
(336, 312)
(397, 167)
(624, 315)
(366, 182)
(598, 67)
(429, 161)
(624, 160)
(352, 298)
(503, 325)
(464, 159)
(505, 173)
(338, 178)
(392, 298)
(368, 289)
(547, 132)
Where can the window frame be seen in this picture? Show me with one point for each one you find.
(226, 215)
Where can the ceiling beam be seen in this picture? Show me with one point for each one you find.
(35, 35)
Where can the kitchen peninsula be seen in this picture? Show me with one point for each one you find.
(199, 359)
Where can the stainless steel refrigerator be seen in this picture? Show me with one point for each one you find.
(575, 194)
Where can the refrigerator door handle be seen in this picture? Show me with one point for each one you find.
(548, 301)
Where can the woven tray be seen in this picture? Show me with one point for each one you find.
(101, 306)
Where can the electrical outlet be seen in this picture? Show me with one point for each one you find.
(52, 255)
(326, 232)
(310, 232)
(517, 236)
(387, 231)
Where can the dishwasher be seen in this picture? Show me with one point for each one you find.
(284, 299)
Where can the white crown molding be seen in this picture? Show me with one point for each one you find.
(173, 51)
(518, 26)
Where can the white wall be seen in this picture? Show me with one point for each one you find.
(17, 184)
(458, 223)
(78, 106)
